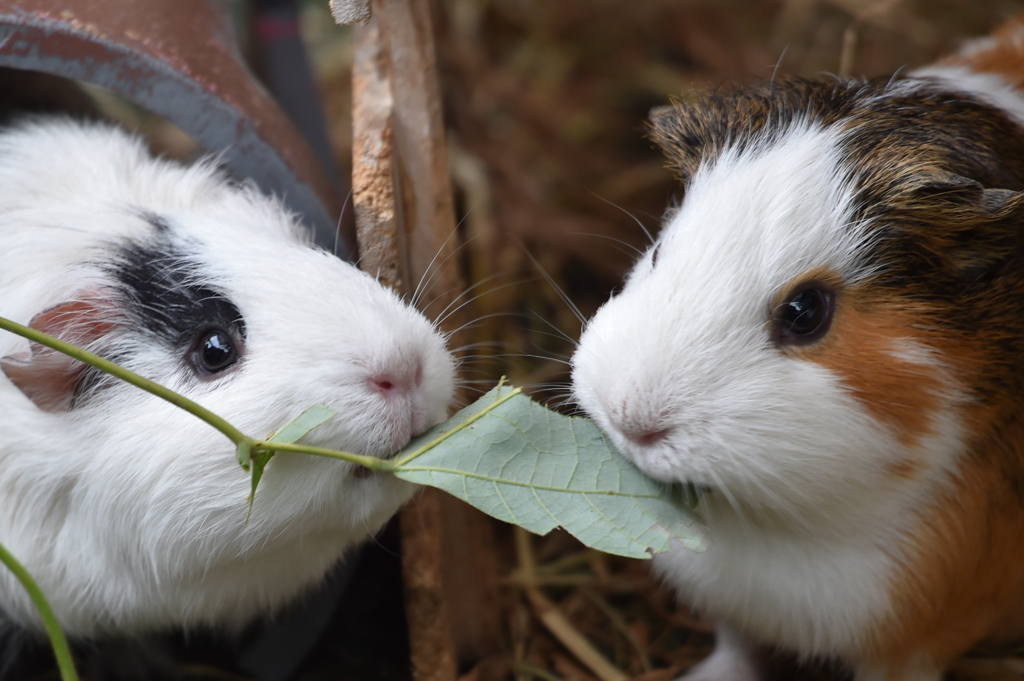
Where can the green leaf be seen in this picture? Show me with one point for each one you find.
(260, 459)
(519, 462)
(314, 416)
(317, 415)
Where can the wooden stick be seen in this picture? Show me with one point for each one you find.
(350, 11)
(430, 633)
(373, 185)
(383, 253)
(407, 238)
(423, 186)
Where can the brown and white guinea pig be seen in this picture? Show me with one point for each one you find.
(828, 337)
(129, 512)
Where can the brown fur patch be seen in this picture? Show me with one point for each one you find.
(960, 578)
(862, 348)
(961, 573)
(908, 469)
(1004, 56)
(963, 577)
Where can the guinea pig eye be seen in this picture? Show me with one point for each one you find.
(806, 316)
(214, 352)
(654, 254)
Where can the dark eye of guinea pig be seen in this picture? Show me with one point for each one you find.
(214, 352)
(806, 316)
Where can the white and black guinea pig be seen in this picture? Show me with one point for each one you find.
(828, 338)
(129, 512)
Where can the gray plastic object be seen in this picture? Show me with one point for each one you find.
(179, 60)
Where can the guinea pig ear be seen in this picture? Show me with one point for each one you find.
(671, 128)
(980, 224)
(950, 189)
(50, 378)
(995, 200)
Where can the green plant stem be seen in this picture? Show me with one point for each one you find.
(57, 640)
(120, 372)
(236, 436)
(245, 444)
(371, 462)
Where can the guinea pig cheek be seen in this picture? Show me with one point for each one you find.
(898, 380)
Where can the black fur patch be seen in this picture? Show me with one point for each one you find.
(166, 292)
(159, 223)
(164, 296)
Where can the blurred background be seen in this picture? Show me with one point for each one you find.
(546, 103)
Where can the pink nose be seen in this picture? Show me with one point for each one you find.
(384, 384)
(388, 385)
(648, 438)
(396, 383)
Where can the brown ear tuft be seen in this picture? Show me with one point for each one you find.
(661, 126)
(975, 229)
(658, 114)
(50, 378)
(952, 190)
(994, 200)
(938, 183)
(671, 128)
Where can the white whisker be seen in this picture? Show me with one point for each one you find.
(425, 281)
(633, 217)
(558, 289)
(337, 226)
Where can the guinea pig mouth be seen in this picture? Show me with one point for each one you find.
(385, 451)
(362, 472)
(688, 493)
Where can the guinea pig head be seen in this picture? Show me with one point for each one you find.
(210, 289)
(823, 322)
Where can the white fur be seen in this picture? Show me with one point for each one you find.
(803, 515)
(734, 658)
(131, 513)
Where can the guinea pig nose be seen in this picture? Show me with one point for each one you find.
(396, 382)
(386, 384)
(649, 437)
